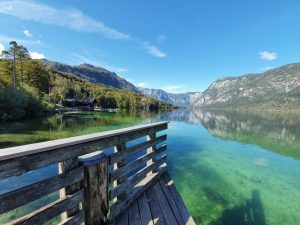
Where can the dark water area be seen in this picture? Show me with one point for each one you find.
(230, 167)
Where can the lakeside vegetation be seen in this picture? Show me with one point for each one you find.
(28, 89)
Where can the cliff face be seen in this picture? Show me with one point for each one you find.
(275, 87)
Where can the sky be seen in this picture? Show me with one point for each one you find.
(174, 45)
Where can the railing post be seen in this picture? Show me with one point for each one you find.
(151, 137)
(63, 167)
(95, 185)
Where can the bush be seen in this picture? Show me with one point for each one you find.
(19, 103)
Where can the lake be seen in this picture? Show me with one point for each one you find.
(230, 167)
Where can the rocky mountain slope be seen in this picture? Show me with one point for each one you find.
(183, 99)
(92, 73)
(274, 88)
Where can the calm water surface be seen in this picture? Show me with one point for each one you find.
(230, 167)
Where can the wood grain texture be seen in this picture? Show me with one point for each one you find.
(129, 182)
(118, 156)
(50, 211)
(144, 209)
(142, 186)
(188, 220)
(135, 164)
(157, 215)
(22, 196)
(74, 220)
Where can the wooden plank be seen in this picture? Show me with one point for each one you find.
(113, 222)
(14, 152)
(164, 205)
(136, 177)
(74, 220)
(118, 156)
(29, 157)
(156, 212)
(17, 198)
(144, 208)
(123, 218)
(135, 164)
(133, 214)
(171, 201)
(50, 211)
(188, 220)
(141, 187)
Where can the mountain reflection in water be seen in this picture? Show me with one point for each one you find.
(275, 131)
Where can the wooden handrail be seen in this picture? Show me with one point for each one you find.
(84, 176)
(12, 152)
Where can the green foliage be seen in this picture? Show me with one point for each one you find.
(18, 103)
(36, 87)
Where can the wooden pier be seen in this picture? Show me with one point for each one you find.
(115, 177)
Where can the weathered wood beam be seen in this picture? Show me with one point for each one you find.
(136, 163)
(50, 211)
(95, 184)
(22, 196)
(18, 160)
(118, 156)
(136, 177)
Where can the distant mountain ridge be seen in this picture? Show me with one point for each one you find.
(278, 87)
(92, 73)
(183, 99)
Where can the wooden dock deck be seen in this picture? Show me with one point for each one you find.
(161, 204)
(115, 177)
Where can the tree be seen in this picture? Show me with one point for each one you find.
(11, 55)
(22, 54)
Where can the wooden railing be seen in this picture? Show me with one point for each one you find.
(95, 184)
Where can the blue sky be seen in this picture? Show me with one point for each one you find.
(178, 46)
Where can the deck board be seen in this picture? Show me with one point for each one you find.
(161, 204)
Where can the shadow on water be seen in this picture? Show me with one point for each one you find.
(251, 212)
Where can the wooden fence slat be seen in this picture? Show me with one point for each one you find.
(50, 211)
(24, 163)
(118, 156)
(119, 206)
(136, 177)
(22, 196)
(74, 220)
(136, 163)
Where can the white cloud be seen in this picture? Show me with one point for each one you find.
(161, 38)
(268, 56)
(36, 55)
(173, 88)
(70, 18)
(27, 33)
(1, 48)
(141, 85)
(154, 51)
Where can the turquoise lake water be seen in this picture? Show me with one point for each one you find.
(229, 167)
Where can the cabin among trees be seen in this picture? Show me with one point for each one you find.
(79, 102)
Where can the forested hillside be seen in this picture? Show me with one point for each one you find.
(28, 88)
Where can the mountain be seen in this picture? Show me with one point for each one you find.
(184, 99)
(274, 88)
(92, 73)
